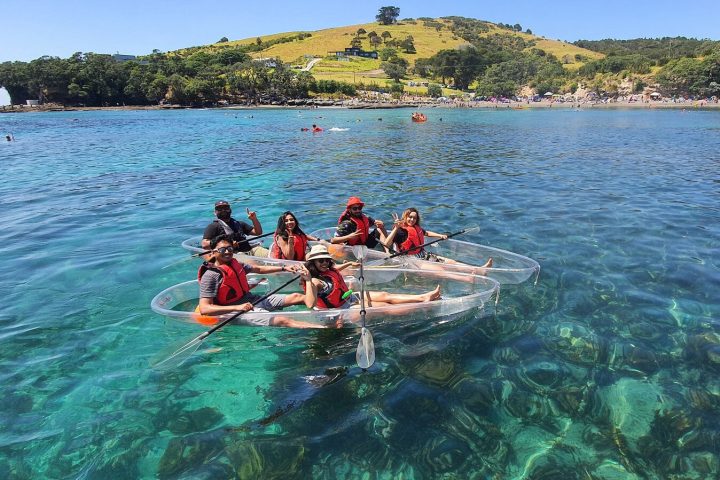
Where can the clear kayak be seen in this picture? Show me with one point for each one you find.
(459, 293)
(507, 267)
(340, 253)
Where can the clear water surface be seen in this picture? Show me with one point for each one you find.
(607, 368)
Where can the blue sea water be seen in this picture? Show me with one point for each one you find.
(607, 368)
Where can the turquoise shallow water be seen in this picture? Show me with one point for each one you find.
(608, 368)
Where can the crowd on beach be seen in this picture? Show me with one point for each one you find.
(386, 100)
(224, 287)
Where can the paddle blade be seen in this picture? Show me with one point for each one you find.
(365, 355)
(360, 251)
(474, 229)
(171, 358)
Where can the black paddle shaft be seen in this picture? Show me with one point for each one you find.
(228, 320)
(248, 239)
(403, 252)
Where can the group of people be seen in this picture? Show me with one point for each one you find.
(223, 279)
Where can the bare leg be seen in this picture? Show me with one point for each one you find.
(294, 299)
(280, 321)
(396, 298)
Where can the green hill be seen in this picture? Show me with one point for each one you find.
(430, 36)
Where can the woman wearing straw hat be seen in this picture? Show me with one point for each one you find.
(329, 290)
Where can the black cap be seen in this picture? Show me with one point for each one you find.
(221, 202)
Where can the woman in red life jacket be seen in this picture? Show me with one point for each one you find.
(290, 242)
(408, 236)
(224, 287)
(327, 288)
(354, 227)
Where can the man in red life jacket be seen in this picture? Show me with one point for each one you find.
(224, 287)
(354, 227)
(224, 224)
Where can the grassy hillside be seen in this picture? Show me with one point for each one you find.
(427, 40)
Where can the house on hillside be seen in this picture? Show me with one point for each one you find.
(120, 58)
(355, 52)
(123, 58)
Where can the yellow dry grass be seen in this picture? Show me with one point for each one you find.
(428, 41)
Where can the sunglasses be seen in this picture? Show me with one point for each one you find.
(355, 209)
(324, 260)
(222, 208)
(224, 250)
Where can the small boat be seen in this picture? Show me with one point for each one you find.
(460, 293)
(419, 117)
(507, 268)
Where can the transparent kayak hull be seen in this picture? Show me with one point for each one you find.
(508, 267)
(460, 293)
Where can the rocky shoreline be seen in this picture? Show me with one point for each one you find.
(373, 105)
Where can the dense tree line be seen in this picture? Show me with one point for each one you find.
(658, 50)
(492, 65)
(199, 78)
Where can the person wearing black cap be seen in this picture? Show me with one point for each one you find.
(224, 224)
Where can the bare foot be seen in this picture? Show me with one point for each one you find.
(489, 263)
(431, 295)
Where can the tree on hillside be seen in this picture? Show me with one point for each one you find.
(361, 31)
(387, 15)
(395, 68)
(375, 41)
(356, 42)
(223, 40)
(408, 44)
(387, 54)
(385, 35)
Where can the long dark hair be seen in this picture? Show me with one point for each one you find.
(281, 230)
(314, 272)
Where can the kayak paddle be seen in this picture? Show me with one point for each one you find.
(195, 255)
(365, 354)
(474, 229)
(179, 355)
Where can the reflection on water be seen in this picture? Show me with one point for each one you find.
(607, 368)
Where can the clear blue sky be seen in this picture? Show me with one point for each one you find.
(32, 28)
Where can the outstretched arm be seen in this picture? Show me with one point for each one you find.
(207, 307)
(346, 238)
(435, 235)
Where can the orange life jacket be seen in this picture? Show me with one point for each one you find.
(299, 245)
(363, 225)
(339, 288)
(415, 238)
(234, 281)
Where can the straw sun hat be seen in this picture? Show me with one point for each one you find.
(317, 252)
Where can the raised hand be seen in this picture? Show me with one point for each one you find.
(396, 220)
(251, 215)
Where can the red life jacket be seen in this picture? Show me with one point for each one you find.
(300, 245)
(362, 224)
(339, 288)
(234, 281)
(415, 238)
